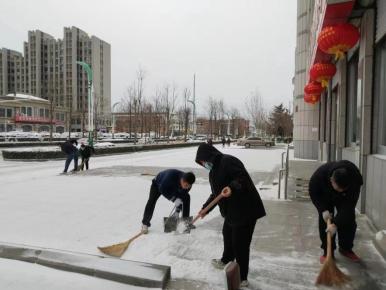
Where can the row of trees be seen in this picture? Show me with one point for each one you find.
(157, 112)
(167, 112)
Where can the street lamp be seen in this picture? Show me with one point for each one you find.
(117, 103)
(193, 102)
(90, 104)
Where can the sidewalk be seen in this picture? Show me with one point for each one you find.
(285, 251)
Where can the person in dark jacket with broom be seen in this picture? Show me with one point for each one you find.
(336, 186)
(85, 152)
(174, 185)
(241, 205)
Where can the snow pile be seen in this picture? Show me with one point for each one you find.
(379, 236)
(35, 149)
(104, 145)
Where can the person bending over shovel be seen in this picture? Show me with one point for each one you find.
(336, 185)
(174, 185)
(241, 205)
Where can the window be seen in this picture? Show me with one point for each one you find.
(41, 113)
(29, 111)
(353, 104)
(380, 94)
(6, 112)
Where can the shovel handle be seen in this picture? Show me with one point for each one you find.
(209, 206)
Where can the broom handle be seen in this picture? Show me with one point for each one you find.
(135, 237)
(209, 206)
(329, 242)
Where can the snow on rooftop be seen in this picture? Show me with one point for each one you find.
(26, 97)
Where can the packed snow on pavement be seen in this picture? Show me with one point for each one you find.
(40, 207)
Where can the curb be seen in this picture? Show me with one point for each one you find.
(114, 269)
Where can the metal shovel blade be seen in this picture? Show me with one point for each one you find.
(171, 224)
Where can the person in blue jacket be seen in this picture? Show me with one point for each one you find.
(174, 185)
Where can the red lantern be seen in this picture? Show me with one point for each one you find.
(338, 39)
(313, 88)
(322, 73)
(311, 99)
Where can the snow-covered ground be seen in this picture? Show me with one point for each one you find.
(40, 207)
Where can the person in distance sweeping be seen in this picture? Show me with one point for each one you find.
(174, 185)
(241, 205)
(336, 185)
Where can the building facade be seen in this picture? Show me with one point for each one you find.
(350, 119)
(237, 127)
(306, 120)
(48, 70)
(20, 112)
(11, 71)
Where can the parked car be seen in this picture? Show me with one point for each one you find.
(255, 141)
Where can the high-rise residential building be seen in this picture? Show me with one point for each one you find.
(49, 70)
(77, 45)
(11, 71)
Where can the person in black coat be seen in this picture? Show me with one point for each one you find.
(336, 185)
(241, 205)
(174, 185)
(85, 153)
(71, 151)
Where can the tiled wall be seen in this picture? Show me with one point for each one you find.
(376, 190)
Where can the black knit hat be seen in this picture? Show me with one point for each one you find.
(189, 177)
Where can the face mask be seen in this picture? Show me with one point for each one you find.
(208, 165)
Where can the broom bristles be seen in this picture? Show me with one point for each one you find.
(330, 275)
(116, 250)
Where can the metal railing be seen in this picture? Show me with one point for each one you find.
(284, 170)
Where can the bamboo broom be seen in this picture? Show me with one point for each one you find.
(330, 275)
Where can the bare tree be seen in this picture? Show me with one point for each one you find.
(255, 110)
(169, 97)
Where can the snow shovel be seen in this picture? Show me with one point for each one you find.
(117, 250)
(171, 223)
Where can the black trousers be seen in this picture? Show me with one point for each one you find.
(237, 241)
(153, 197)
(346, 228)
(84, 162)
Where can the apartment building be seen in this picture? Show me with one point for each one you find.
(48, 70)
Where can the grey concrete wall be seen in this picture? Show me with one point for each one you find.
(351, 154)
(306, 149)
(376, 190)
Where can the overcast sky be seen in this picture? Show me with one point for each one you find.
(233, 46)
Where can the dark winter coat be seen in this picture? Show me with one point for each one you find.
(68, 148)
(323, 195)
(244, 204)
(168, 184)
(85, 152)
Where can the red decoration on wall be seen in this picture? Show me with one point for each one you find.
(311, 99)
(313, 88)
(338, 39)
(322, 73)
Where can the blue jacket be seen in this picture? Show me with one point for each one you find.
(168, 184)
